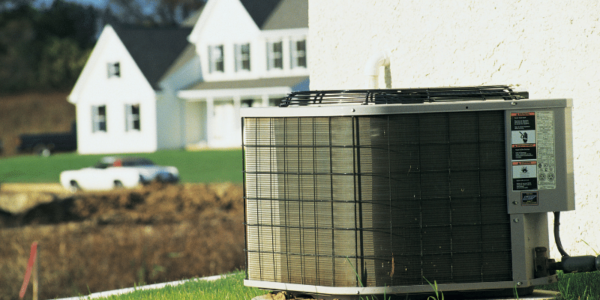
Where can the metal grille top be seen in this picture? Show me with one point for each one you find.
(403, 96)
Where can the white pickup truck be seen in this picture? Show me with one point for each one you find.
(117, 172)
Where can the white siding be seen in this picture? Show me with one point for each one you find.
(130, 88)
(170, 125)
(227, 23)
(549, 47)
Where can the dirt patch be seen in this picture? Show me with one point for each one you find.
(110, 240)
(53, 188)
(17, 198)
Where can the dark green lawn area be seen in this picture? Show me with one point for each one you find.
(194, 166)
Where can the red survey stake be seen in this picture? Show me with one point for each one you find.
(32, 257)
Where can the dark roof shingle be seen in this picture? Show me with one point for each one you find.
(251, 83)
(260, 10)
(288, 14)
(153, 49)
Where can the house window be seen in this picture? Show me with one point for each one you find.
(298, 54)
(216, 58)
(114, 69)
(275, 55)
(132, 117)
(99, 118)
(242, 57)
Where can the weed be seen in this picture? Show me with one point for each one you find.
(595, 252)
(361, 285)
(435, 290)
(565, 291)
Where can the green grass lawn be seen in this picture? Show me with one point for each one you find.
(579, 286)
(574, 286)
(194, 166)
(231, 287)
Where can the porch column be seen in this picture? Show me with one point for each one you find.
(210, 116)
(265, 100)
(236, 107)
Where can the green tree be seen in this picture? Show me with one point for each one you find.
(151, 12)
(17, 55)
(61, 62)
(43, 49)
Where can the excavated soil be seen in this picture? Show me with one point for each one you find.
(99, 241)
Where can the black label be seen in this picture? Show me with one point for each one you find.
(523, 121)
(529, 198)
(523, 152)
(525, 184)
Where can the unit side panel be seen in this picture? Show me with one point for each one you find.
(539, 160)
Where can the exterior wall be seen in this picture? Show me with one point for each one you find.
(217, 28)
(169, 122)
(195, 120)
(188, 74)
(115, 93)
(551, 48)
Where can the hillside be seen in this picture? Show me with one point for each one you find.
(33, 113)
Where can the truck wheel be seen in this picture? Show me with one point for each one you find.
(74, 186)
(118, 184)
(42, 150)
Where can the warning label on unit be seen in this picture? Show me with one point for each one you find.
(523, 151)
(523, 137)
(524, 175)
(529, 198)
(522, 121)
(545, 150)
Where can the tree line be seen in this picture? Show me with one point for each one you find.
(45, 48)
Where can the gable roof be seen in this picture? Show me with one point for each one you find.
(153, 49)
(288, 14)
(249, 83)
(193, 18)
(260, 10)
(278, 14)
(186, 55)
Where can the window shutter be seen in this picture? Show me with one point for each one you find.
(210, 60)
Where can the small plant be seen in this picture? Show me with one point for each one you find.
(361, 285)
(595, 252)
(355, 272)
(585, 293)
(435, 290)
(565, 291)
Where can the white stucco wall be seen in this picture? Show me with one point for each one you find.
(551, 48)
(95, 88)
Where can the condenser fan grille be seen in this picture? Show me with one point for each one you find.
(377, 200)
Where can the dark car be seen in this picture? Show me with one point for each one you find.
(46, 143)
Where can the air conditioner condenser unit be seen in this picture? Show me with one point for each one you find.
(371, 192)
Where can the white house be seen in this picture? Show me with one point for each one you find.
(549, 48)
(166, 88)
(116, 94)
(252, 53)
